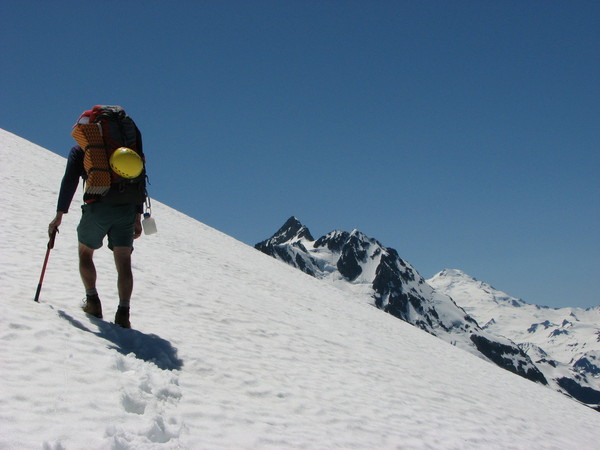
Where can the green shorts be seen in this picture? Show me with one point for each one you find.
(104, 219)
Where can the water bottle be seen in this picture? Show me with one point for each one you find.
(148, 224)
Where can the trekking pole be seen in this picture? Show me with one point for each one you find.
(50, 247)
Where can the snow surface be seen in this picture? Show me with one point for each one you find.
(231, 349)
(512, 317)
(561, 335)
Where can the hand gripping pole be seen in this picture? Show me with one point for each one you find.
(50, 247)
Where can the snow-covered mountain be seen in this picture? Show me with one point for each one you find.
(564, 343)
(364, 266)
(560, 349)
(230, 349)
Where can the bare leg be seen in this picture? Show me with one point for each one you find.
(87, 269)
(125, 276)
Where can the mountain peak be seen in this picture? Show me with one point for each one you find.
(453, 278)
(292, 235)
(291, 230)
(453, 273)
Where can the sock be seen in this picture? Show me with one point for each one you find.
(124, 304)
(91, 292)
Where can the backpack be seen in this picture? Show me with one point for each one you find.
(99, 132)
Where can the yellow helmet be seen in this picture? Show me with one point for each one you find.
(126, 162)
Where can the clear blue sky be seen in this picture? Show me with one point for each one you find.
(464, 134)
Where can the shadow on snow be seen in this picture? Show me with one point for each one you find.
(147, 347)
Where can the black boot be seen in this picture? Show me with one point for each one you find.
(122, 317)
(92, 306)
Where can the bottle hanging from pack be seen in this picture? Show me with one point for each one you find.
(148, 222)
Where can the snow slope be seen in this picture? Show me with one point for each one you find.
(231, 349)
(564, 342)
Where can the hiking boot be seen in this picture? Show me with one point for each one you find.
(92, 306)
(122, 317)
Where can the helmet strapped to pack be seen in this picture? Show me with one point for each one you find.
(100, 132)
(126, 163)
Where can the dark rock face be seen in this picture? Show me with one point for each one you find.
(352, 255)
(397, 288)
(389, 282)
(581, 393)
(286, 245)
(503, 355)
(587, 366)
(333, 241)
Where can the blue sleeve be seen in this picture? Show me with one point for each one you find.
(70, 181)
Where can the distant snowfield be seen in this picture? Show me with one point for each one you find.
(566, 333)
(230, 349)
(562, 341)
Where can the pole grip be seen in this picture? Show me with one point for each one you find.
(52, 238)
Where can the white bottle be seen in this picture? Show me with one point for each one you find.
(148, 224)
